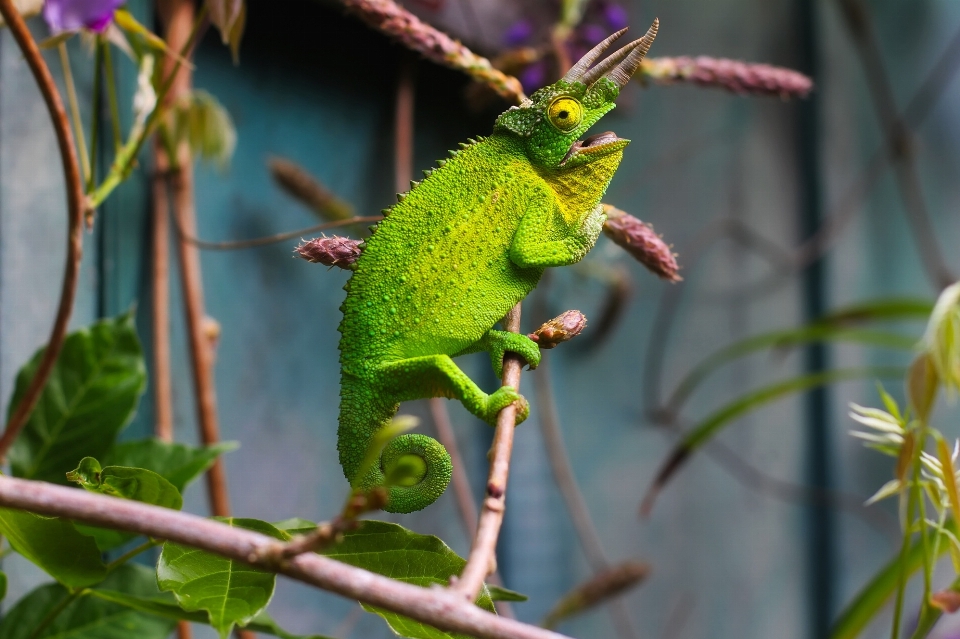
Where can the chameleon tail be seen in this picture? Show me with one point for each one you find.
(425, 462)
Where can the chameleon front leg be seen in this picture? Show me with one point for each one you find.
(499, 342)
(531, 247)
(438, 376)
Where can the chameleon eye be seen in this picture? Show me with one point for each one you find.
(565, 113)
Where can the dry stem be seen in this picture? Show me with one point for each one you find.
(482, 559)
(435, 606)
(75, 210)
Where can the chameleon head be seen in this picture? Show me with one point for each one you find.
(551, 121)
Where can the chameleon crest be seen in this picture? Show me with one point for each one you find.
(457, 252)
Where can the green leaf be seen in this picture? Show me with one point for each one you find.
(88, 617)
(295, 526)
(230, 591)
(872, 599)
(138, 484)
(91, 395)
(55, 545)
(888, 308)
(499, 593)
(715, 422)
(164, 605)
(3, 585)
(177, 463)
(395, 552)
(817, 332)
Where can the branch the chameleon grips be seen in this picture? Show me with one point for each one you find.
(640, 241)
(562, 328)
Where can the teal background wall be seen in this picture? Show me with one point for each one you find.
(728, 540)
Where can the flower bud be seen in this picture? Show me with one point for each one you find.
(639, 240)
(299, 184)
(330, 251)
(560, 329)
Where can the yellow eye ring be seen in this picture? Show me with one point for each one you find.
(565, 113)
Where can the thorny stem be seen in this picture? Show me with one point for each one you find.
(74, 216)
(74, 108)
(434, 606)
(482, 559)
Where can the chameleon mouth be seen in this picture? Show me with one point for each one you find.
(596, 145)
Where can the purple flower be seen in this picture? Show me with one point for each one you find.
(534, 76)
(518, 33)
(592, 33)
(615, 16)
(72, 15)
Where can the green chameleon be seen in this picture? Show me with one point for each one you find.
(458, 251)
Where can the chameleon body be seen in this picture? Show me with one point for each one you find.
(456, 253)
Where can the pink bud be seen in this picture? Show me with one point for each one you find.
(330, 251)
(560, 329)
(639, 240)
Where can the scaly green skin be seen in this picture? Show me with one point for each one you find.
(447, 263)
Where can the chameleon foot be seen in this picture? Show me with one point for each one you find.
(500, 399)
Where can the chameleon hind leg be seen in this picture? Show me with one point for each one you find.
(496, 343)
(438, 376)
(425, 462)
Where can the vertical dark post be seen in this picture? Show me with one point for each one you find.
(821, 575)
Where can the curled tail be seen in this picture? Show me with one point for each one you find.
(425, 461)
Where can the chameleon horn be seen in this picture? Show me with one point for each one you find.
(622, 73)
(601, 69)
(577, 70)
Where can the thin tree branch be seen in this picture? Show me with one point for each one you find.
(232, 245)
(482, 560)
(437, 607)
(75, 207)
(160, 294)
(897, 134)
(179, 16)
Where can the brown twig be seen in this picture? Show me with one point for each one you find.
(898, 140)
(735, 76)
(437, 607)
(393, 20)
(160, 298)
(482, 559)
(179, 18)
(75, 210)
(190, 237)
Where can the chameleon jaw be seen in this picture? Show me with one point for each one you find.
(595, 146)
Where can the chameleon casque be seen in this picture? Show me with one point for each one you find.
(457, 252)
